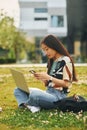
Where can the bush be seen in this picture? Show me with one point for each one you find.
(6, 61)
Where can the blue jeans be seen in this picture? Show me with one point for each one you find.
(38, 97)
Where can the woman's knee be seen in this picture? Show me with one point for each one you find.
(35, 96)
(16, 91)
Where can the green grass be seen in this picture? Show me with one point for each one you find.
(12, 118)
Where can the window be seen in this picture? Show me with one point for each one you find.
(40, 10)
(39, 19)
(57, 21)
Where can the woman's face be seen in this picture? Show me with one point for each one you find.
(49, 52)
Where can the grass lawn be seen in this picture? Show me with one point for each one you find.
(12, 118)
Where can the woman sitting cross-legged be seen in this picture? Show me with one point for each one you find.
(58, 79)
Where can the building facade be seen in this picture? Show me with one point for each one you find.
(42, 17)
(64, 18)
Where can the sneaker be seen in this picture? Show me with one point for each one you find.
(33, 109)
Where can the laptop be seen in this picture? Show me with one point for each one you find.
(19, 80)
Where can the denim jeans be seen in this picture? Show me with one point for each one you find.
(38, 97)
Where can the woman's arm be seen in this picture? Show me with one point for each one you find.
(60, 83)
(57, 82)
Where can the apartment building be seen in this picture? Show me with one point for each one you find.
(42, 17)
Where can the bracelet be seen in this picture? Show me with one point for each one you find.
(51, 82)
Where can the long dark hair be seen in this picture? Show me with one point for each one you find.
(54, 43)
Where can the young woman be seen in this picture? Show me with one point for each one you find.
(58, 79)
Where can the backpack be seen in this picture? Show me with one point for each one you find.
(72, 104)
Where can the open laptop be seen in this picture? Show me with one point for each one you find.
(19, 80)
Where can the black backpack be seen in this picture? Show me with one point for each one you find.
(73, 103)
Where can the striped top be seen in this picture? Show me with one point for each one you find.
(62, 69)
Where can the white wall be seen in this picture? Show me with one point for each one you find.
(28, 22)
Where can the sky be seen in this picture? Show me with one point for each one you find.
(11, 8)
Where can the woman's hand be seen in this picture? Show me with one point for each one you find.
(42, 76)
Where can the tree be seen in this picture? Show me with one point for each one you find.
(10, 37)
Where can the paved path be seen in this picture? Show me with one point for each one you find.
(22, 65)
(33, 65)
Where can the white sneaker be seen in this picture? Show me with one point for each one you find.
(33, 109)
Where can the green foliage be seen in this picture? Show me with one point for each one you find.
(7, 32)
(15, 41)
(11, 38)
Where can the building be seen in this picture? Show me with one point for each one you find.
(42, 17)
(77, 28)
(64, 18)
